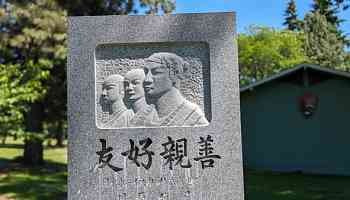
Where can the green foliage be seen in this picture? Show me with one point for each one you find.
(114, 7)
(325, 7)
(347, 60)
(167, 6)
(322, 44)
(330, 9)
(291, 18)
(33, 60)
(33, 46)
(11, 98)
(264, 51)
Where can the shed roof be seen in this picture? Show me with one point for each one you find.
(290, 71)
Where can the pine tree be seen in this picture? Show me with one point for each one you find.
(331, 9)
(291, 21)
(322, 44)
(32, 53)
(325, 7)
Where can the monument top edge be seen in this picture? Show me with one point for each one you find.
(227, 13)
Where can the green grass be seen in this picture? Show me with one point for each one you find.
(48, 182)
(12, 149)
(295, 186)
(58, 155)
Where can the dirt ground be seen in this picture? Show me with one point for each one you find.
(5, 198)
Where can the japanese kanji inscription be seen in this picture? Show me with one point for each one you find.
(153, 108)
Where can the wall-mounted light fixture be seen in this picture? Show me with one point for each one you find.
(308, 103)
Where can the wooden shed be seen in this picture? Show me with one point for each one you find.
(298, 120)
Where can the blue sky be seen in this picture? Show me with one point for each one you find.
(259, 12)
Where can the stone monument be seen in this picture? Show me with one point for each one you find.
(153, 108)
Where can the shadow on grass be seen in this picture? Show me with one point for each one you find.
(295, 186)
(46, 182)
(14, 146)
(4, 163)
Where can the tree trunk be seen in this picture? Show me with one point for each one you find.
(60, 134)
(59, 140)
(3, 140)
(33, 153)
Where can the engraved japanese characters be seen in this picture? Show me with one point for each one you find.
(149, 94)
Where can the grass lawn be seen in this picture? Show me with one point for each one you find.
(294, 186)
(49, 182)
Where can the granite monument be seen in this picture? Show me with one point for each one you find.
(153, 108)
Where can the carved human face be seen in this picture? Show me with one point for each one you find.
(134, 84)
(157, 81)
(112, 91)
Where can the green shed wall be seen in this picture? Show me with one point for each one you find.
(276, 136)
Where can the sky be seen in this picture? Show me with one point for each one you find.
(253, 12)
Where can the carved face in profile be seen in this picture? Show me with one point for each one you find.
(112, 89)
(157, 81)
(133, 84)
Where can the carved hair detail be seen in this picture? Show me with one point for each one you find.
(178, 67)
(117, 80)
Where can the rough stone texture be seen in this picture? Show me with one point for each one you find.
(89, 180)
(119, 59)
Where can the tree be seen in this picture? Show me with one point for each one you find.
(167, 6)
(325, 7)
(330, 9)
(33, 46)
(342, 4)
(347, 61)
(114, 7)
(322, 44)
(33, 49)
(265, 51)
(291, 21)
(12, 96)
